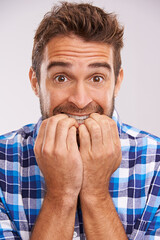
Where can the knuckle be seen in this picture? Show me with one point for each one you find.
(95, 127)
(118, 147)
(100, 154)
(104, 121)
(45, 151)
(58, 152)
(44, 123)
(112, 123)
(96, 130)
(88, 121)
(91, 154)
(52, 120)
(95, 115)
(110, 152)
(97, 155)
(62, 123)
(97, 135)
(36, 149)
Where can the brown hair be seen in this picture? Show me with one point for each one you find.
(84, 20)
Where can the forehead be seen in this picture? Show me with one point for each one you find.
(73, 48)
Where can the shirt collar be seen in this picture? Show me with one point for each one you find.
(117, 119)
(36, 129)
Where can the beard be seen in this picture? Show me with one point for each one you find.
(71, 108)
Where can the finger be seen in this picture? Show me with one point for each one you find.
(111, 140)
(114, 131)
(62, 131)
(49, 136)
(116, 142)
(84, 136)
(94, 130)
(72, 139)
(106, 131)
(40, 138)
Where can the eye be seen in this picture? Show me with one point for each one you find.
(97, 79)
(60, 79)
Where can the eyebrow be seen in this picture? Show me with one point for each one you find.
(58, 64)
(100, 64)
(67, 64)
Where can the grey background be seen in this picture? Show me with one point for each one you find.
(138, 101)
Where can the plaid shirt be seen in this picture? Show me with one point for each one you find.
(134, 187)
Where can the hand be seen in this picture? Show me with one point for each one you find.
(58, 156)
(100, 150)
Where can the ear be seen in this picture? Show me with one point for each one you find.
(34, 81)
(118, 83)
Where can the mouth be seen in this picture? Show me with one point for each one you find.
(79, 119)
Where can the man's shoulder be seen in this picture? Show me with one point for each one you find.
(140, 137)
(17, 137)
(132, 134)
(23, 131)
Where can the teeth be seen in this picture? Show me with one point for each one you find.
(80, 119)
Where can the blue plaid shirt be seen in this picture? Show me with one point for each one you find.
(134, 187)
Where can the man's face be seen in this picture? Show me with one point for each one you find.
(77, 78)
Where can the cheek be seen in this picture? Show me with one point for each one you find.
(103, 98)
(45, 100)
(57, 97)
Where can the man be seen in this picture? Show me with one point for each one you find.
(79, 160)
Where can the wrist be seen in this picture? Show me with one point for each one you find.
(91, 200)
(94, 194)
(61, 201)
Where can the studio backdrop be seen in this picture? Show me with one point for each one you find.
(139, 99)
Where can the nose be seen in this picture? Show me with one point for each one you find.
(80, 96)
